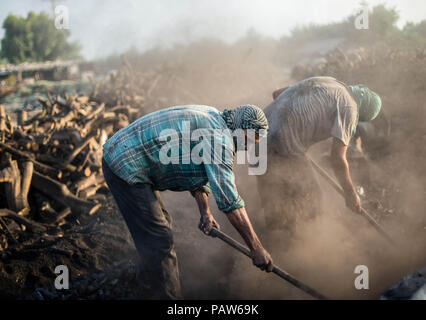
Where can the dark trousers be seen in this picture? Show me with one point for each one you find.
(150, 225)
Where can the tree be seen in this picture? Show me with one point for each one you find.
(383, 21)
(35, 38)
(16, 44)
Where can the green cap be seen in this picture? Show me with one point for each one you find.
(369, 102)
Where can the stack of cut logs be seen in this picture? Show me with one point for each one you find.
(50, 164)
(126, 87)
(364, 64)
(146, 89)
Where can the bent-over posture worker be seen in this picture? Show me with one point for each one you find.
(301, 115)
(135, 170)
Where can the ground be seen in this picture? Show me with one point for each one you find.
(102, 258)
(91, 247)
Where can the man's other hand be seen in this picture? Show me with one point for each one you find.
(353, 201)
(207, 223)
(262, 259)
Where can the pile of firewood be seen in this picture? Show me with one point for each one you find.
(364, 65)
(126, 87)
(147, 90)
(50, 164)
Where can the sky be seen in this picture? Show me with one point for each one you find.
(103, 27)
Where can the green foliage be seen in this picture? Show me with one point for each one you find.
(16, 44)
(35, 38)
(382, 27)
(415, 34)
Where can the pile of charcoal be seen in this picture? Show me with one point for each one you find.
(412, 287)
(118, 282)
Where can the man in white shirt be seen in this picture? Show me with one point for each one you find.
(301, 115)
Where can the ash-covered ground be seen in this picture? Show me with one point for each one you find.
(324, 253)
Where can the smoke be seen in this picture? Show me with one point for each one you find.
(324, 251)
(108, 27)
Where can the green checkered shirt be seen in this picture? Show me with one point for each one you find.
(133, 154)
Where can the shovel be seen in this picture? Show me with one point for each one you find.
(363, 212)
(278, 271)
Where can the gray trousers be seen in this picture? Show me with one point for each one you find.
(150, 225)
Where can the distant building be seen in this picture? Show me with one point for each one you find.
(50, 70)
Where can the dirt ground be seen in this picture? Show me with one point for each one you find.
(91, 247)
(324, 254)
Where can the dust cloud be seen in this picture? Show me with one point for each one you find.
(325, 250)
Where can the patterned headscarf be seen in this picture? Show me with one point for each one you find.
(369, 102)
(246, 117)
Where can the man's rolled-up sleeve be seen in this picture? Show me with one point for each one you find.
(222, 184)
(205, 188)
(345, 123)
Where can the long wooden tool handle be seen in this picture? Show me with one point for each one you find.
(339, 190)
(279, 272)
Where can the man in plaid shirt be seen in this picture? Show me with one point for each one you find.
(156, 153)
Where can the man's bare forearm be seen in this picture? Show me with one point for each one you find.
(341, 165)
(343, 175)
(240, 220)
(203, 202)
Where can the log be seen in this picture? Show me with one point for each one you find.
(96, 157)
(3, 127)
(6, 230)
(63, 214)
(17, 185)
(27, 174)
(103, 137)
(41, 167)
(96, 112)
(40, 116)
(59, 192)
(9, 124)
(99, 121)
(78, 149)
(29, 224)
(67, 118)
(86, 182)
(24, 144)
(127, 110)
(47, 208)
(82, 100)
(87, 172)
(90, 191)
(46, 104)
(82, 166)
(35, 147)
(22, 117)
